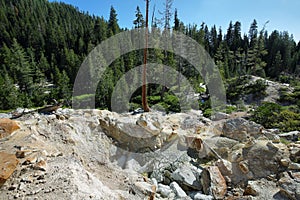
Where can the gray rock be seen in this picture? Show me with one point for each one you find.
(269, 135)
(255, 160)
(294, 150)
(178, 190)
(154, 181)
(290, 186)
(294, 166)
(261, 189)
(187, 175)
(241, 130)
(263, 158)
(4, 115)
(130, 135)
(145, 188)
(220, 145)
(292, 136)
(200, 196)
(164, 190)
(219, 116)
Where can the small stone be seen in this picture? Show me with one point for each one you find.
(200, 196)
(21, 186)
(22, 154)
(41, 165)
(178, 190)
(154, 181)
(12, 187)
(251, 190)
(30, 160)
(294, 166)
(244, 167)
(285, 162)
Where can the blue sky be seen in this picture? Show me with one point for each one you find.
(283, 15)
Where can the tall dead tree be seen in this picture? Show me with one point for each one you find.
(165, 21)
(144, 87)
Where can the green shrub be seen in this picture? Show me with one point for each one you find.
(267, 114)
(272, 115)
(289, 121)
(208, 112)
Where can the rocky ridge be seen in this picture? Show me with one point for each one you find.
(97, 154)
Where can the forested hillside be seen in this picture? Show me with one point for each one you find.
(43, 44)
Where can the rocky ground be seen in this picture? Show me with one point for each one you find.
(93, 154)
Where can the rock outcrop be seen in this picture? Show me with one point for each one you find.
(93, 154)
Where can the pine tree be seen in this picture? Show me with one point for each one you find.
(253, 33)
(113, 27)
(9, 94)
(139, 22)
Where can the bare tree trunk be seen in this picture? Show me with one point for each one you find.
(144, 87)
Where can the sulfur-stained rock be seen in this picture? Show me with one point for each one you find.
(7, 127)
(213, 182)
(8, 164)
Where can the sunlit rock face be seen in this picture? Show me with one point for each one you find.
(98, 154)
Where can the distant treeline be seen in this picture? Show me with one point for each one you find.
(43, 44)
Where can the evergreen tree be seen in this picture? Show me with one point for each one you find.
(113, 27)
(9, 94)
(139, 22)
(253, 32)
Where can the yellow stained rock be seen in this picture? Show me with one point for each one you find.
(8, 164)
(7, 127)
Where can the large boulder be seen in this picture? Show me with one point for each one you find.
(178, 190)
(290, 185)
(291, 136)
(188, 175)
(241, 129)
(8, 164)
(213, 182)
(7, 127)
(258, 160)
(261, 189)
(132, 134)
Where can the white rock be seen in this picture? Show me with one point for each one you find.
(178, 190)
(145, 187)
(188, 175)
(164, 190)
(200, 196)
(294, 166)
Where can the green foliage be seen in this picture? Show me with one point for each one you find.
(289, 121)
(272, 115)
(239, 87)
(50, 45)
(267, 115)
(230, 109)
